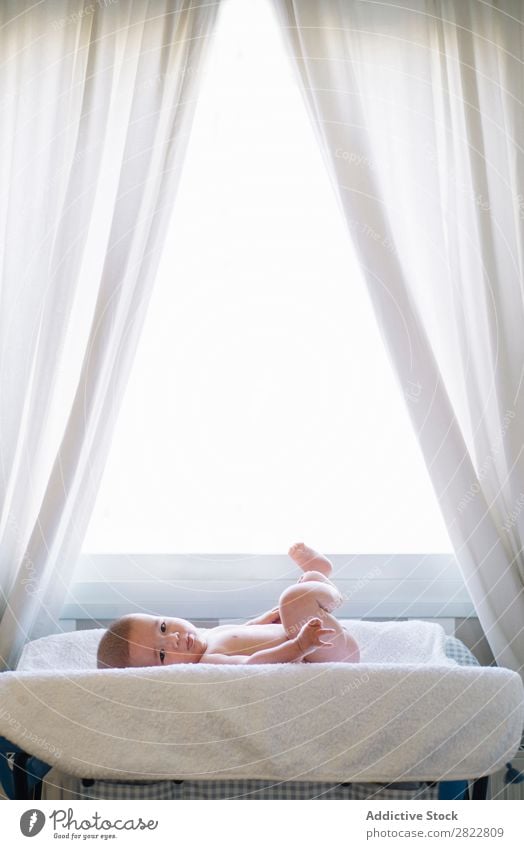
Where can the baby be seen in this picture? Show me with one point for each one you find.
(301, 629)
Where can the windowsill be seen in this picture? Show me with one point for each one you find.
(202, 587)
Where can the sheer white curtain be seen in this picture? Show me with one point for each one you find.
(419, 112)
(96, 104)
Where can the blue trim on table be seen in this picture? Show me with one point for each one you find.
(20, 774)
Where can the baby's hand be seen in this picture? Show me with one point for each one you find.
(310, 635)
(272, 617)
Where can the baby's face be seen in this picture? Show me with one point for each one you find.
(161, 641)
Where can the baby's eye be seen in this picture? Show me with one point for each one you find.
(163, 627)
(162, 655)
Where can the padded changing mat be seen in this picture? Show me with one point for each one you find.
(406, 713)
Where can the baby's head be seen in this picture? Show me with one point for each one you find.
(139, 639)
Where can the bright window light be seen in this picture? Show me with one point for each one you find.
(261, 408)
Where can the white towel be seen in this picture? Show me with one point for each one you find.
(386, 721)
(380, 642)
(400, 642)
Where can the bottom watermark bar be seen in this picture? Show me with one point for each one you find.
(259, 823)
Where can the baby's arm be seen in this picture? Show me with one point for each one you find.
(308, 639)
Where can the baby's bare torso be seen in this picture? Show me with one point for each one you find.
(242, 639)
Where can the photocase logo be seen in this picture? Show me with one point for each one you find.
(32, 822)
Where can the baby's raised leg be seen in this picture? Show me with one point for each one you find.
(310, 560)
(308, 599)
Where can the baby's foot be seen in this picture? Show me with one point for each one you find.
(309, 560)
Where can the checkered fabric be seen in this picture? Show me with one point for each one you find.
(250, 789)
(456, 650)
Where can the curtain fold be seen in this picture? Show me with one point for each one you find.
(419, 113)
(96, 103)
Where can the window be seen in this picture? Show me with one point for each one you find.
(262, 407)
